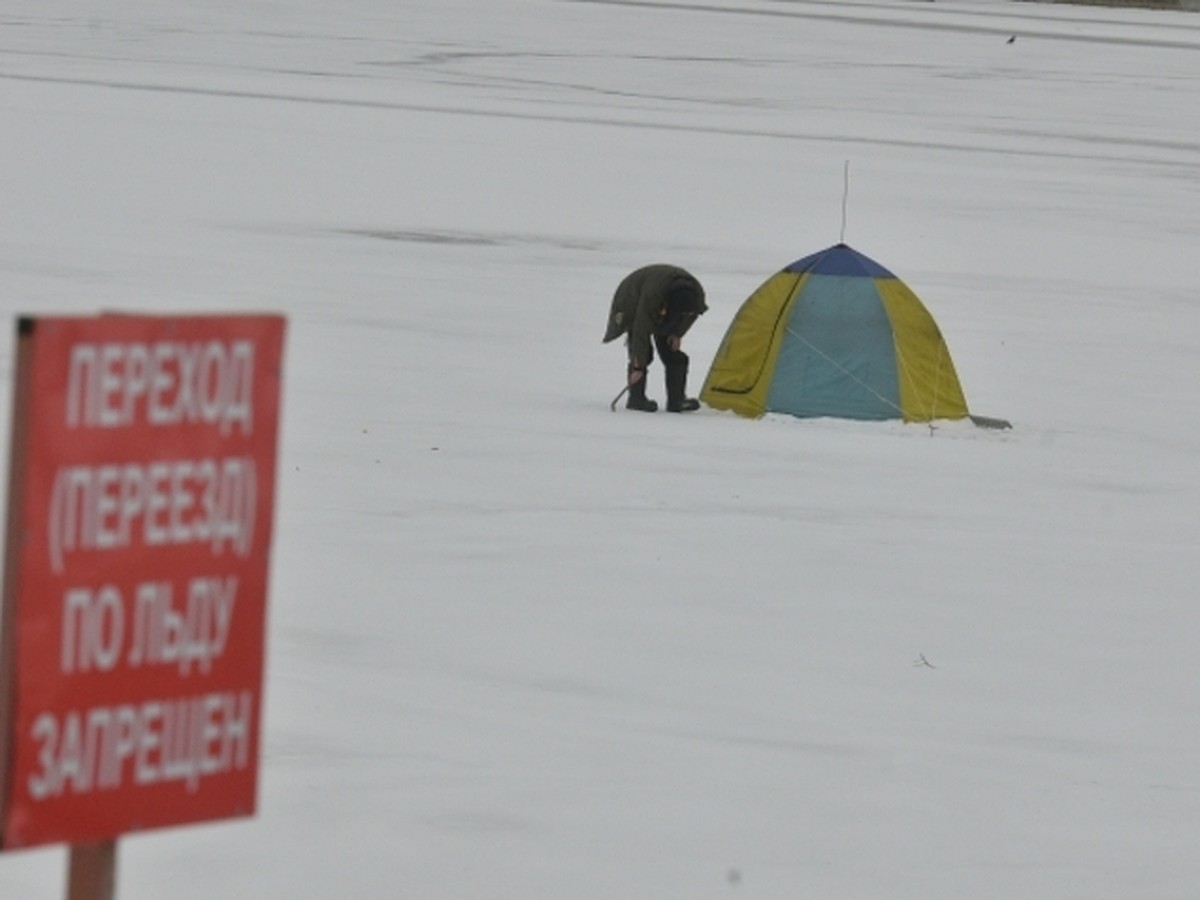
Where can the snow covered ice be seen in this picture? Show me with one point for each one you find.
(524, 647)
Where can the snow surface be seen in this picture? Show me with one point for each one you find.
(524, 647)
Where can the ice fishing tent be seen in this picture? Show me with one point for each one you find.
(835, 334)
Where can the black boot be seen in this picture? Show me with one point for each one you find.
(677, 399)
(637, 394)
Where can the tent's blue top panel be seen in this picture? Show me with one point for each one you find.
(839, 260)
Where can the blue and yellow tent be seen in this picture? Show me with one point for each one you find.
(835, 334)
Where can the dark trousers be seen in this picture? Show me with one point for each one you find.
(666, 354)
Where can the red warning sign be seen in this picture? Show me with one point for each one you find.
(141, 494)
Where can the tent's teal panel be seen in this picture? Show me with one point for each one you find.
(838, 356)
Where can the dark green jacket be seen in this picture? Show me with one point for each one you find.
(639, 307)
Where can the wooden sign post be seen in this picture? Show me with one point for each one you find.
(92, 871)
(141, 494)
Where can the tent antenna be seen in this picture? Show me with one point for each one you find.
(845, 197)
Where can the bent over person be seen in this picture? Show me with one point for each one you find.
(654, 307)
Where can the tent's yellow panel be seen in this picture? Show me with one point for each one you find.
(740, 376)
(929, 386)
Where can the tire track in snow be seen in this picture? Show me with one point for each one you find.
(1027, 27)
(1104, 149)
